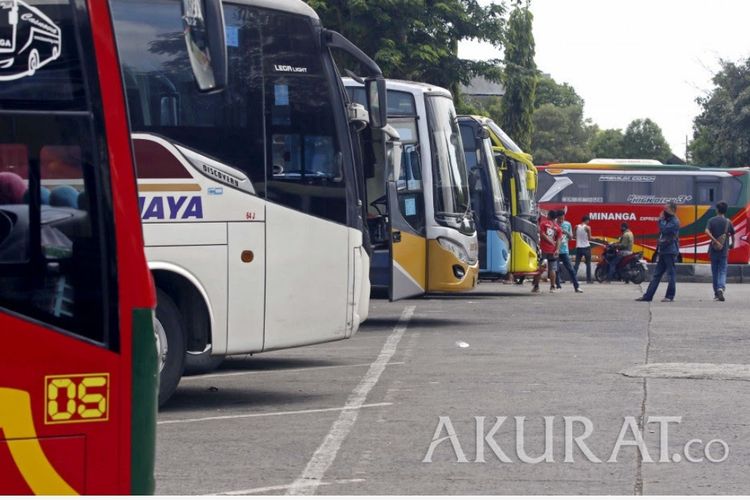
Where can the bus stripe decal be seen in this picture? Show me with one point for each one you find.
(27, 453)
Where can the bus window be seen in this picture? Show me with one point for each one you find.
(163, 98)
(451, 184)
(53, 254)
(678, 188)
(409, 184)
(300, 121)
(731, 189)
(624, 189)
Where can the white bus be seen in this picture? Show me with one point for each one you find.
(250, 197)
(429, 244)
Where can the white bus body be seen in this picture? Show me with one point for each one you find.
(249, 198)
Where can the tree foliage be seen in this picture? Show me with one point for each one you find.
(644, 139)
(548, 91)
(519, 78)
(608, 143)
(721, 132)
(561, 135)
(418, 39)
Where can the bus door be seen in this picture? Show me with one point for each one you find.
(707, 194)
(78, 364)
(406, 213)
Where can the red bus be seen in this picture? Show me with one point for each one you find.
(78, 369)
(635, 193)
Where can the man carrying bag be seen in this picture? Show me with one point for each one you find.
(721, 232)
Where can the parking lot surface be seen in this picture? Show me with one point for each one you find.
(404, 407)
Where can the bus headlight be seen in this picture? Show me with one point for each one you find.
(456, 249)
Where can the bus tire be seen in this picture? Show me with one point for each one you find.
(171, 341)
(33, 62)
(202, 363)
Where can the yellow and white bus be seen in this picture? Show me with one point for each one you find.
(422, 228)
(250, 197)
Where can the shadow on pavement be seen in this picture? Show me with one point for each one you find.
(242, 363)
(232, 398)
(414, 322)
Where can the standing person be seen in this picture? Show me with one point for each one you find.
(721, 231)
(583, 246)
(549, 243)
(624, 247)
(668, 248)
(564, 259)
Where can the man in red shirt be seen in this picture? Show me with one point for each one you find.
(550, 236)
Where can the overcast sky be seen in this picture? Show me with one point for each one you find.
(633, 59)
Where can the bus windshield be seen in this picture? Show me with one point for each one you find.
(504, 138)
(451, 183)
(278, 122)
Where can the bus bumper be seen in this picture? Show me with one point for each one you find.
(447, 273)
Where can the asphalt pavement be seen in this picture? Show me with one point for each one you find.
(460, 394)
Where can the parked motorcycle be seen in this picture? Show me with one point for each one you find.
(631, 268)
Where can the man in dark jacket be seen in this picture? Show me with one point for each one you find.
(668, 248)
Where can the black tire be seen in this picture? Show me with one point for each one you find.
(196, 364)
(639, 276)
(600, 274)
(169, 318)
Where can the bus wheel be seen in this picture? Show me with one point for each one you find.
(170, 336)
(202, 363)
(33, 62)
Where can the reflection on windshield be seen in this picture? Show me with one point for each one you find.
(504, 138)
(451, 183)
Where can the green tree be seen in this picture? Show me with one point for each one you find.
(519, 78)
(418, 39)
(608, 143)
(548, 91)
(561, 135)
(644, 139)
(721, 132)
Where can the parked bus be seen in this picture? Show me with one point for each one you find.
(614, 193)
(249, 197)
(519, 179)
(423, 235)
(491, 211)
(78, 369)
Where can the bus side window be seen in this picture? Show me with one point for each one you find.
(52, 258)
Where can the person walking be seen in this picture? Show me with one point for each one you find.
(624, 247)
(564, 258)
(583, 247)
(668, 249)
(549, 243)
(721, 232)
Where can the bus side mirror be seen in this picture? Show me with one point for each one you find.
(484, 133)
(376, 101)
(203, 25)
(531, 180)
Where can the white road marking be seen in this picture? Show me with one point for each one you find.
(266, 489)
(323, 458)
(270, 414)
(270, 371)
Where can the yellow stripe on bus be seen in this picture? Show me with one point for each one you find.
(17, 423)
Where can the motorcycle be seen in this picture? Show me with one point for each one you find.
(631, 268)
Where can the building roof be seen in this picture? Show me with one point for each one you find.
(481, 87)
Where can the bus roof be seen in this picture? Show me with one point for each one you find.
(420, 87)
(292, 6)
(638, 166)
